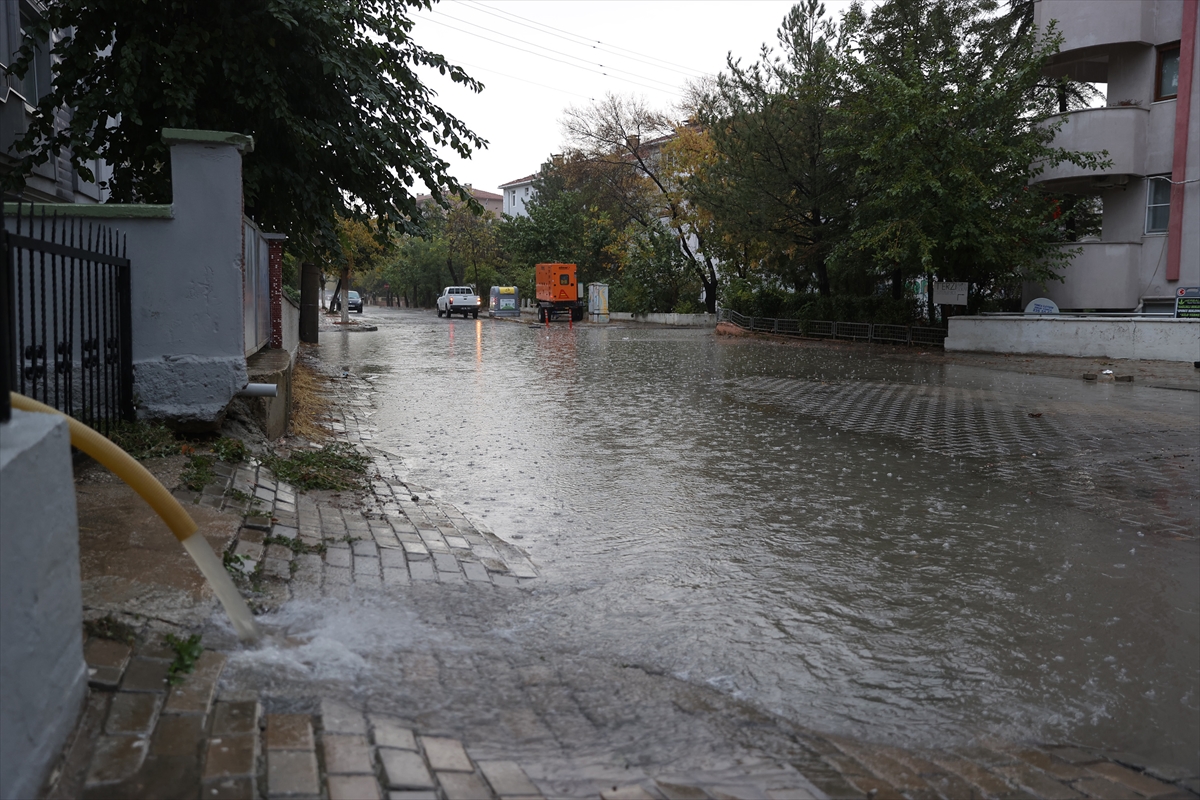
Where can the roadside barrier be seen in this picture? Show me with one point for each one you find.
(849, 331)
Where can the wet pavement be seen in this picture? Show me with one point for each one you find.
(863, 540)
(723, 567)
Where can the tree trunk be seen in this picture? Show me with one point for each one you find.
(345, 299)
(310, 292)
(897, 284)
(453, 275)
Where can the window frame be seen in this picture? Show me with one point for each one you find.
(1162, 50)
(1150, 181)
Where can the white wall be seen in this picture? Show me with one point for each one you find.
(42, 672)
(1158, 339)
(188, 355)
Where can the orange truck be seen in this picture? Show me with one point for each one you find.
(557, 292)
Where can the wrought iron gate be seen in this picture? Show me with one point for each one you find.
(67, 336)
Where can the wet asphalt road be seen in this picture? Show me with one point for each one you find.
(862, 541)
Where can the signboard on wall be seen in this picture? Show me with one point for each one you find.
(1187, 302)
(1041, 305)
(947, 293)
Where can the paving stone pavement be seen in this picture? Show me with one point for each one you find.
(1089, 455)
(140, 737)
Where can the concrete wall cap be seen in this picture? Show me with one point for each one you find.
(241, 141)
(102, 211)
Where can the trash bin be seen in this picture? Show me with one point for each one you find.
(504, 301)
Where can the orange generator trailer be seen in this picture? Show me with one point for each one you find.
(557, 292)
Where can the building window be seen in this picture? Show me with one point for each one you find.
(1158, 204)
(1166, 76)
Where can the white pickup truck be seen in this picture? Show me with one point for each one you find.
(459, 300)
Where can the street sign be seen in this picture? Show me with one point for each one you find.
(950, 293)
(1187, 302)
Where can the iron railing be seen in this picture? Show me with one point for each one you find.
(827, 329)
(68, 338)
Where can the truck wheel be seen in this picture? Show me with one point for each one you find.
(439, 312)
(474, 315)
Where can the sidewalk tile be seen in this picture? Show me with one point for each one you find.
(292, 773)
(230, 756)
(338, 556)
(364, 565)
(1037, 782)
(463, 786)
(507, 778)
(446, 755)
(145, 675)
(421, 570)
(230, 789)
(390, 733)
(394, 575)
(1136, 781)
(106, 662)
(178, 735)
(353, 787)
(116, 758)
(476, 573)
(405, 769)
(445, 562)
(338, 717)
(412, 795)
(236, 717)
(1102, 788)
(347, 754)
(132, 712)
(365, 548)
(626, 793)
(289, 732)
(195, 694)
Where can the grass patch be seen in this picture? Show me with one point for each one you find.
(186, 652)
(144, 440)
(107, 627)
(198, 473)
(232, 450)
(310, 404)
(337, 466)
(296, 545)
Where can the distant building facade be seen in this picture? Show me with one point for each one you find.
(56, 181)
(489, 200)
(518, 194)
(1145, 52)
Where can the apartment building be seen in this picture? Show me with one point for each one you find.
(1142, 53)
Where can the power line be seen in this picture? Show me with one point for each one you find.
(547, 49)
(542, 27)
(543, 55)
(523, 80)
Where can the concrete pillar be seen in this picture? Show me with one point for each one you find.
(275, 278)
(42, 671)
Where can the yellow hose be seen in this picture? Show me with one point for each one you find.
(123, 465)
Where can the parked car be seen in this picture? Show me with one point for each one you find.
(354, 301)
(459, 300)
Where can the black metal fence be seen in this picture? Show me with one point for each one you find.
(67, 338)
(851, 331)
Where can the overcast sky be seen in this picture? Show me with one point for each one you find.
(537, 57)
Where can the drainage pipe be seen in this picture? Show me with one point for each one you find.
(125, 467)
(259, 390)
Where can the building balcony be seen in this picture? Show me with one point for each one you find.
(1121, 130)
(1104, 275)
(1091, 26)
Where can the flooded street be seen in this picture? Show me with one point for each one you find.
(885, 546)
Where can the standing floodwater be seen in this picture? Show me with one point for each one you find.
(884, 545)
